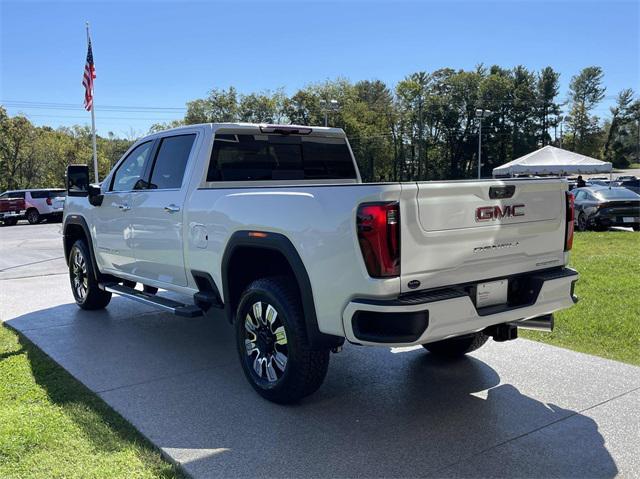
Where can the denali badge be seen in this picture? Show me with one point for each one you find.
(493, 247)
(487, 213)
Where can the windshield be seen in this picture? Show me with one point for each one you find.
(251, 157)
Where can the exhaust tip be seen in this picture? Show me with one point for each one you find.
(541, 323)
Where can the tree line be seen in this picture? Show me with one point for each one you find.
(425, 128)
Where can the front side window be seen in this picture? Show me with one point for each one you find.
(171, 161)
(254, 157)
(132, 168)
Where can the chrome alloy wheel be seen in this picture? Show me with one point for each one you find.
(265, 342)
(79, 274)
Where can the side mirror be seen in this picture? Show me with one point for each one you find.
(95, 194)
(77, 180)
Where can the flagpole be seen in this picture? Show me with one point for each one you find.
(93, 124)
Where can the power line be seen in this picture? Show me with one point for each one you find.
(101, 118)
(73, 107)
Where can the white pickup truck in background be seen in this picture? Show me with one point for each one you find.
(273, 225)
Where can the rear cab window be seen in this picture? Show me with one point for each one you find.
(253, 156)
(13, 194)
(616, 194)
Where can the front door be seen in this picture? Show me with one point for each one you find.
(112, 219)
(157, 224)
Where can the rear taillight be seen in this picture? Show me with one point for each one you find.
(49, 202)
(568, 235)
(378, 227)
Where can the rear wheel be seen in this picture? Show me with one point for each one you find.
(83, 281)
(582, 222)
(456, 347)
(272, 342)
(33, 216)
(636, 228)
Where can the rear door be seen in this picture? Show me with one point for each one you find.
(464, 231)
(157, 224)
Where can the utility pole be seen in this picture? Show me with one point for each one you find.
(480, 114)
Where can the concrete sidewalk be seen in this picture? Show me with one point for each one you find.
(516, 409)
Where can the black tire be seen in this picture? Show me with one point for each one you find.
(456, 347)
(636, 228)
(149, 289)
(583, 224)
(84, 285)
(33, 217)
(281, 335)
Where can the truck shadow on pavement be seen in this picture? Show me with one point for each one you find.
(379, 413)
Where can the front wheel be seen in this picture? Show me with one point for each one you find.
(84, 285)
(456, 347)
(272, 342)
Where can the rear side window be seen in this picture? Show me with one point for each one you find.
(171, 161)
(39, 195)
(254, 157)
(56, 193)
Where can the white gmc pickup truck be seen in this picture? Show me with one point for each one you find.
(273, 225)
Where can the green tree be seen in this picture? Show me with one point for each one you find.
(585, 93)
(622, 139)
(548, 110)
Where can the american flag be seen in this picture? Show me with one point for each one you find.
(87, 79)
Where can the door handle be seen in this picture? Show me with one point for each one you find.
(124, 207)
(172, 208)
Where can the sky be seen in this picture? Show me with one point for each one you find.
(153, 57)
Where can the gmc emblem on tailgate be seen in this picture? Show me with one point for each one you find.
(491, 213)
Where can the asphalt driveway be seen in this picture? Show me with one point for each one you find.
(510, 409)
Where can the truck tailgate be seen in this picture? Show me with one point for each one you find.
(11, 204)
(460, 232)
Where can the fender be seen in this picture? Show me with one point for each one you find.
(282, 244)
(80, 221)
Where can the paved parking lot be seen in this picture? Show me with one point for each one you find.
(510, 409)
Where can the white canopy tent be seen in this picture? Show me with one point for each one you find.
(550, 160)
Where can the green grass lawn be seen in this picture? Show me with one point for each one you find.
(606, 320)
(51, 426)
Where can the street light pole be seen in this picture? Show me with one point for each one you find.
(480, 114)
(480, 149)
(328, 105)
